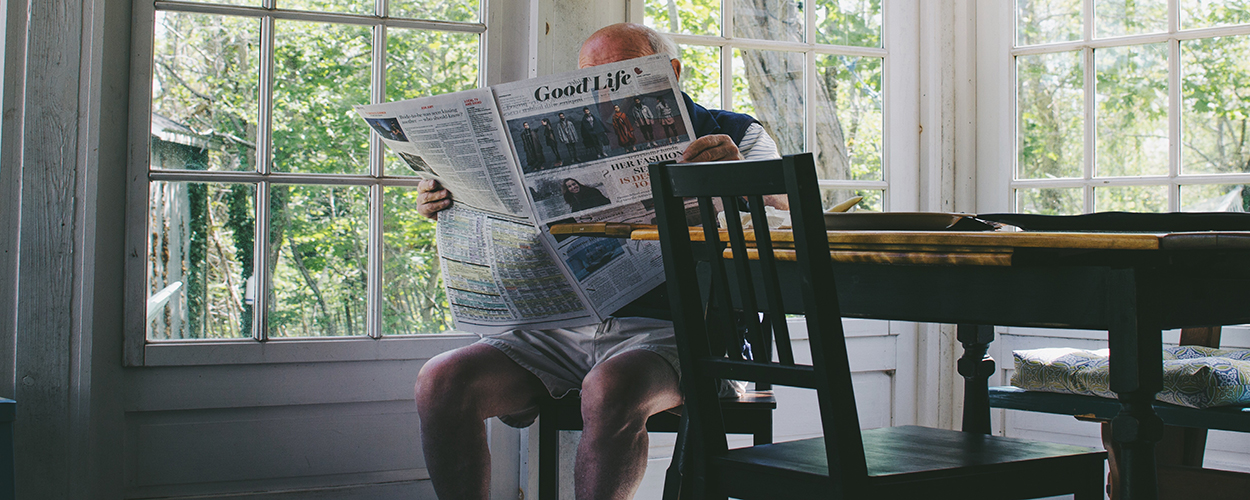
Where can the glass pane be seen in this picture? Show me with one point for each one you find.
(200, 240)
(1215, 198)
(769, 20)
(873, 199)
(1209, 13)
(768, 85)
(848, 118)
(1047, 21)
(414, 300)
(700, 74)
(1050, 201)
(320, 71)
(204, 88)
(317, 246)
(423, 63)
(1215, 114)
(1051, 108)
(348, 6)
(1132, 110)
(695, 17)
(441, 10)
(1131, 199)
(849, 22)
(1130, 17)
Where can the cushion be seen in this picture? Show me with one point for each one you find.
(1193, 376)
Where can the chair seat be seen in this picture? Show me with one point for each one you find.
(1229, 418)
(911, 460)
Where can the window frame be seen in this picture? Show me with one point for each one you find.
(997, 116)
(900, 99)
(138, 350)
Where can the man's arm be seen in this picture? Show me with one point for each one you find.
(756, 145)
(432, 198)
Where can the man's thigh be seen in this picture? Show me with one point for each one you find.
(487, 378)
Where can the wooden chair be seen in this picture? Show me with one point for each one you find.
(897, 462)
(1179, 454)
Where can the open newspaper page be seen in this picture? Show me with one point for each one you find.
(497, 272)
(583, 141)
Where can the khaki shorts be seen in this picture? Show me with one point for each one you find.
(562, 357)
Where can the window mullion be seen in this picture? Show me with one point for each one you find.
(373, 278)
(1091, 127)
(1174, 107)
(264, 144)
(727, 56)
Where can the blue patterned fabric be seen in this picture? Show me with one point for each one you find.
(1193, 376)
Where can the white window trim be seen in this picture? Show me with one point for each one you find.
(996, 104)
(900, 102)
(137, 350)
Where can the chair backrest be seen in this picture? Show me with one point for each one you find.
(704, 328)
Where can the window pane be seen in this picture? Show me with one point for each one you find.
(1131, 199)
(1132, 110)
(768, 85)
(439, 10)
(700, 74)
(413, 295)
(348, 6)
(422, 63)
(1208, 13)
(873, 200)
(1216, 109)
(320, 71)
(695, 17)
(204, 88)
(1130, 17)
(1050, 201)
(319, 257)
(1051, 110)
(200, 240)
(769, 20)
(1047, 21)
(848, 117)
(1215, 198)
(849, 22)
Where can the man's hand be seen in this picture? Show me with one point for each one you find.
(717, 147)
(432, 198)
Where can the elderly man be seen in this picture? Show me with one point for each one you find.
(625, 368)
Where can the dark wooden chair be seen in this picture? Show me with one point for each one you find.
(1179, 454)
(896, 462)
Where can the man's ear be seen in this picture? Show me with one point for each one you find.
(676, 67)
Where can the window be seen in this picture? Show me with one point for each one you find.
(1135, 105)
(271, 211)
(810, 72)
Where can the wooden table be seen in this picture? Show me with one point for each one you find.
(1134, 285)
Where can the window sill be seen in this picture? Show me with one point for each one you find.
(246, 352)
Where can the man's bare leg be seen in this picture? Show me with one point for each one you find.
(456, 391)
(617, 398)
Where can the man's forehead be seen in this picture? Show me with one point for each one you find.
(619, 45)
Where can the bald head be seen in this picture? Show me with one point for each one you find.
(622, 41)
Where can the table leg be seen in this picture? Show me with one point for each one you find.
(976, 366)
(1136, 347)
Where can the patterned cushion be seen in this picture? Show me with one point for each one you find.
(1193, 376)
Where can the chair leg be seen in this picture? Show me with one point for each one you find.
(674, 487)
(548, 454)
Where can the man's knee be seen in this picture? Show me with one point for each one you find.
(436, 380)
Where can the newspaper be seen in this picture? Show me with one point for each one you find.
(522, 156)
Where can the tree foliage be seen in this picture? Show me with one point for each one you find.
(206, 76)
